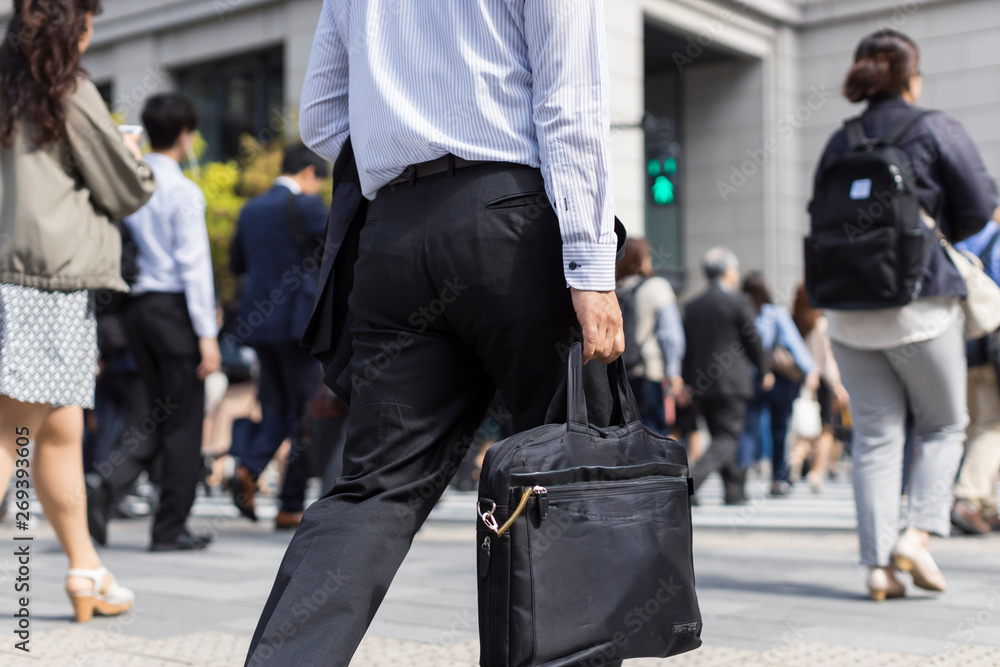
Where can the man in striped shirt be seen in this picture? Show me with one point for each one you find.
(481, 134)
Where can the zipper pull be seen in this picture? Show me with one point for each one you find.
(543, 501)
(484, 557)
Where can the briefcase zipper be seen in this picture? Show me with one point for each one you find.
(490, 520)
(600, 490)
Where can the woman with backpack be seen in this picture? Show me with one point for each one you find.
(908, 350)
(654, 334)
(66, 175)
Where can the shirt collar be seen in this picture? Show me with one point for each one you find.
(162, 161)
(289, 183)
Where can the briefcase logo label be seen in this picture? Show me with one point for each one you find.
(684, 628)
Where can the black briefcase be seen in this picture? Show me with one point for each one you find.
(584, 538)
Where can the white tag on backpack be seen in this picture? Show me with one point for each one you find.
(861, 189)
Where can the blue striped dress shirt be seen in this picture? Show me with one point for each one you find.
(499, 80)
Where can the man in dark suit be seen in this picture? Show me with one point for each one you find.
(722, 344)
(278, 247)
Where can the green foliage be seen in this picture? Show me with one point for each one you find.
(227, 187)
(218, 181)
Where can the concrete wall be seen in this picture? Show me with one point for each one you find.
(960, 62)
(138, 42)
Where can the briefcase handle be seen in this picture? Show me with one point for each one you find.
(576, 401)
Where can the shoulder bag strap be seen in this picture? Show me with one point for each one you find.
(295, 223)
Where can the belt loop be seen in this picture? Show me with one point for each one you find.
(413, 174)
(451, 165)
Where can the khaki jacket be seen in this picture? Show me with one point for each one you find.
(58, 202)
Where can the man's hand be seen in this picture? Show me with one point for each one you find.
(211, 359)
(601, 319)
(767, 384)
(674, 386)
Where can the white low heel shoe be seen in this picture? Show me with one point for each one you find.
(909, 555)
(882, 584)
(115, 600)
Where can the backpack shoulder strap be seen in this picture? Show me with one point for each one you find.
(905, 122)
(856, 137)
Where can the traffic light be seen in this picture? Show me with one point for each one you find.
(662, 171)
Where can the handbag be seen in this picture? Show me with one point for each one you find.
(584, 538)
(783, 363)
(807, 416)
(982, 305)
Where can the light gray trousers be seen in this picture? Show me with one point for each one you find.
(931, 377)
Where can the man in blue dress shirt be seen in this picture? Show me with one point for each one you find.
(481, 133)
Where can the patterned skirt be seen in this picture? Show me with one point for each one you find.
(48, 346)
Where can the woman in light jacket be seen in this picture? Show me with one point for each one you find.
(66, 176)
(913, 355)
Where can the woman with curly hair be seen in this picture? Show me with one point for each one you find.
(66, 177)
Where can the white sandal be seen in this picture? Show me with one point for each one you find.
(116, 600)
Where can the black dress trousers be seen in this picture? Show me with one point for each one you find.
(459, 291)
(165, 346)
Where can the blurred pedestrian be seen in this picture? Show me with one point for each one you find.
(170, 321)
(912, 354)
(792, 366)
(654, 334)
(66, 176)
(722, 347)
(830, 393)
(490, 244)
(277, 247)
(975, 509)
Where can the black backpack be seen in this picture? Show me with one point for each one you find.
(632, 356)
(867, 245)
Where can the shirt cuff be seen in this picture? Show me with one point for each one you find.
(204, 327)
(590, 267)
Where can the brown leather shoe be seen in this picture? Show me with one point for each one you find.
(243, 487)
(968, 519)
(287, 520)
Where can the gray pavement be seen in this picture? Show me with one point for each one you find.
(777, 582)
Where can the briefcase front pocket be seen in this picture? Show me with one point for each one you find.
(611, 570)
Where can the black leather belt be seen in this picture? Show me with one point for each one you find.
(445, 164)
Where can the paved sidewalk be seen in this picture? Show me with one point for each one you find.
(789, 596)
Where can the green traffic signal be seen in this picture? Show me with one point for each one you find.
(670, 165)
(654, 168)
(663, 191)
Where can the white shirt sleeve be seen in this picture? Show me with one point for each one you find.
(193, 257)
(324, 119)
(567, 47)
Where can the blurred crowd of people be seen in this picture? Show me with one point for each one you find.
(759, 377)
(191, 394)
